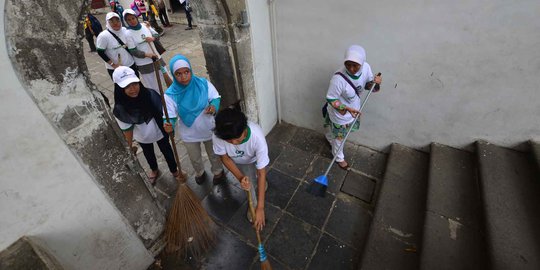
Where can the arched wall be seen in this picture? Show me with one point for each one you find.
(67, 175)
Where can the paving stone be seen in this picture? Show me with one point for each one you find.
(309, 208)
(281, 133)
(336, 176)
(293, 162)
(292, 241)
(333, 255)
(223, 202)
(241, 225)
(281, 187)
(326, 150)
(308, 140)
(349, 221)
(369, 161)
(359, 186)
(229, 253)
(274, 150)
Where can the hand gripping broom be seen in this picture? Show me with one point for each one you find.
(265, 264)
(319, 184)
(188, 228)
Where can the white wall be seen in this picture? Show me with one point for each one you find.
(258, 12)
(453, 71)
(45, 193)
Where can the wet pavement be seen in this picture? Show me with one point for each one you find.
(302, 231)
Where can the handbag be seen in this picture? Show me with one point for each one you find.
(358, 91)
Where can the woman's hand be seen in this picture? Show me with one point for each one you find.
(210, 109)
(168, 127)
(352, 111)
(149, 39)
(259, 218)
(151, 55)
(378, 79)
(245, 183)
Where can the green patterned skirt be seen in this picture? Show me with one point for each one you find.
(339, 131)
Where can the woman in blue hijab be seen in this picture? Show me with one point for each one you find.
(197, 101)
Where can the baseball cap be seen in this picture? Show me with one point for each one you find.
(123, 76)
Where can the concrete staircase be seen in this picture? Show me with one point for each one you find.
(454, 209)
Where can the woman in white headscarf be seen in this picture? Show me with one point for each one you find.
(343, 98)
(112, 45)
(141, 45)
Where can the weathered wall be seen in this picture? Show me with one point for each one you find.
(233, 64)
(263, 72)
(66, 174)
(46, 193)
(453, 71)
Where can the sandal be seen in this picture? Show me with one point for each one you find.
(153, 179)
(345, 167)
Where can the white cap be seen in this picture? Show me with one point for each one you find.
(128, 11)
(123, 76)
(111, 15)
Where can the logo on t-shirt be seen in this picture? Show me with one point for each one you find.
(239, 153)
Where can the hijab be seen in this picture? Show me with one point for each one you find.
(136, 27)
(191, 99)
(357, 54)
(141, 109)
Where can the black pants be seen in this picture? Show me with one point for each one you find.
(90, 39)
(188, 16)
(163, 17)
(166, 150)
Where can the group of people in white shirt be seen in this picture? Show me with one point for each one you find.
(193, 107)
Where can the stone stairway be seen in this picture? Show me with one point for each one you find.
(453, 209)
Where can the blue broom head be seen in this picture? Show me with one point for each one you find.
(323, 180)
(262, 253)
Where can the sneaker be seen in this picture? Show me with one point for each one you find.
(200, 179)
(220, 178)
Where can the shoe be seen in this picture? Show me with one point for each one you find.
(220, 178)
(200, 179)
(153, 179)
(189, 28)
(345, 167)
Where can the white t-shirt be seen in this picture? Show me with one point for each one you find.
(340, 89)
(143, 133)
(254, 150)
(137, 39)
(202, 128)
(113, 49)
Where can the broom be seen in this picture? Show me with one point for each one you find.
(320, 183)
(188, 228)
(265, 264)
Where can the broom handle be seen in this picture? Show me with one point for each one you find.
(350, 128)
(252, 211)
(171, 136)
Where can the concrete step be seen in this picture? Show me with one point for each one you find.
(396, 230)
(510, 188)
(452, 236)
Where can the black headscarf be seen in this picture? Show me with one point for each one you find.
(142, 109)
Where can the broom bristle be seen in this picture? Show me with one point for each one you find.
(188, 228)
(265, 265)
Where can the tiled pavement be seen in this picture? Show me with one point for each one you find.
(302, 231)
